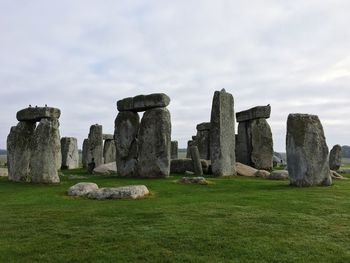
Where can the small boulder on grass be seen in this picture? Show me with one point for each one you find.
(193, 180)
(81, 189)
(245, 170)
(125, 192)
(262, 173)
(278, 175)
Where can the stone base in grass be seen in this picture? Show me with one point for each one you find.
(125, 192)
(193, 180)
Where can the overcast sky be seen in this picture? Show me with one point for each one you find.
(83, 56)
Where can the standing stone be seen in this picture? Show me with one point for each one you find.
(188, 152)
(95, 149)
(46, 152)
(202, 140)
(307, 151)
(109, 151)
(19, 143)
(154, 143)
(262, 144)
(335, 157)
(126, 129)
(174, 150)
(244, 143)
(222, 134)
(84, 157)
(197, 165)
(70, 154)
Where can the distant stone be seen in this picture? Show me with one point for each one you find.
(109, 151)
(174, 150)
(126, 130)
(107, 136)
(222, 135)
(307, 151)
(257, 112)
(154, 144)
(278, 175)
(70, 154)
(81, 189)
(335, 157)
(180, 166)
(143, 102)
(19, 151)
(196, 161)
(262, 173)
(46, 156)
(193, 180)
(125, 192)
(189, 144)
(189, 173)
(204, 126)
(95, 149)
(245, 170)
(37, 113)
(106, 169)
(85, 151)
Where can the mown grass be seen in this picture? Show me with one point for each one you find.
(231, 220)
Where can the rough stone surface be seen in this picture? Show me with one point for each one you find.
(262, 144)
(70, 154)
(222, 134)
(174, 150)
(19, 147)
(189, 144)
(278, 175)
(95, 149)
(257, 112)
(126, 129)
(106, 169)
(35, 114)
(335, 157)
(125, 192)
(85, 151)
(107, 136)
(81, 189)
(196, 160)
(307, 151)
(109, 151)
(143, 102)
(154, 144)
(193, 180)
(262, 173)
(180, 166)
(204, 126)
(244, 144)
(245, 170)
(337, 176)
(46, 152)
(203, 143)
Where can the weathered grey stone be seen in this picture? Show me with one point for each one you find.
(125, 192)
(278, 175)
(70, 154)
(85, 150)
(107, 136)
(154, 143)
(46, 152)
(189, 144)
(262, 173)
(196, 160)
(203, 144)
(245, 170)
(204, 126)
(194, 138)
(109, 151)
(81, 189)
(335, 157)
(106, 169)
(222, 135)
(174, 149)
(193, 180)
(180, 166)
(257, 112)
(37, 113)
(19, 147)
(337, 176)
(143, 102)
(95, 148)
(126, 129)
(262, 144)
(307, 151)
(244, 144)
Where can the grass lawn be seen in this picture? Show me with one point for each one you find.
(236, 219)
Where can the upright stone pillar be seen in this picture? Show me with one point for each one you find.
(307, 151)
(95, 150)
(197, 165)
(46, 152)
(202, 140)
(188, 151)
(70, 154)
(222, 134)
(19, 146)
(85, 150)
(174, 150)
(109, 151)
(335, 157)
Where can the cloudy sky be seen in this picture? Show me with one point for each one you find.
(82, 56)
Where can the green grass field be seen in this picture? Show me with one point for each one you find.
(236, 219)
